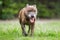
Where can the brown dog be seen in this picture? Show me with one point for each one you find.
(27, 16)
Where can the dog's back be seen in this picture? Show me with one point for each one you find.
(21, 15)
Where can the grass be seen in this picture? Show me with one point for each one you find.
(44, 30)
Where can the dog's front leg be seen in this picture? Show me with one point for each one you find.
(23, 29)
(29, 29)
(32, 29)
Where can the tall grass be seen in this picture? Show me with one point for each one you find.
(11, 30)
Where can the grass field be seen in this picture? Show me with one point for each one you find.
(44, 30)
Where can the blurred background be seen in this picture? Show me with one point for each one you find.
(49, 9)
(46, 28)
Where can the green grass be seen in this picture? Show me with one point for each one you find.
(11, 30)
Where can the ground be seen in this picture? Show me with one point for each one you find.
(44, 30)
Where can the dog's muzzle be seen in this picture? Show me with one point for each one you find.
(32, 17)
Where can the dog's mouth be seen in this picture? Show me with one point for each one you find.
(32, 20)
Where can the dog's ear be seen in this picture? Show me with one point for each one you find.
(34, 5)
(27, 5)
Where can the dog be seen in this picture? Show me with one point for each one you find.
(27, 16)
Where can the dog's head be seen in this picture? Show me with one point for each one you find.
(31, 12)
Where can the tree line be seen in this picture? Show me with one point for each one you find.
(46, 8)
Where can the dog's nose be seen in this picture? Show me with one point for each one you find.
(32, 16)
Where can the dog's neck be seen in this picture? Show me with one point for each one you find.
(27, 18)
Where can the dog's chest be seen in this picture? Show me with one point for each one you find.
(27, 21)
